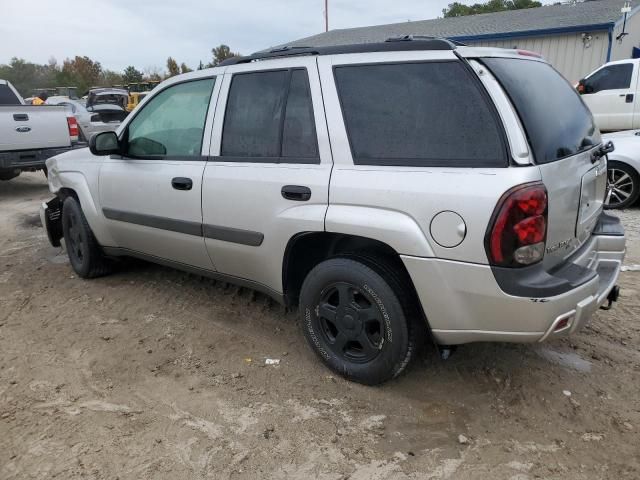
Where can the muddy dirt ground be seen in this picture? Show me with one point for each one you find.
(155, 374)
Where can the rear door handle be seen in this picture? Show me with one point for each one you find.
(182, 183)
(297, 193)
(20, 117)
(629, 98)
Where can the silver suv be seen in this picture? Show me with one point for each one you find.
(392, 191)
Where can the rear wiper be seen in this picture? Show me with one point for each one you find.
(604, 149)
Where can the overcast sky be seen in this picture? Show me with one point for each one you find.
(144, 33)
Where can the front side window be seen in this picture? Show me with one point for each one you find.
(613, 77)
(269, 118)
(418, 114)
(172, 123)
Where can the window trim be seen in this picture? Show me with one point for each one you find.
(428, 163)
(277, 159)
(124, 138)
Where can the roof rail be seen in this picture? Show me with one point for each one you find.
(404, 43)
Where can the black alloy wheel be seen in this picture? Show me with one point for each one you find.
(352, 323)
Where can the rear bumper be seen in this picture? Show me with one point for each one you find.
(465, 303)
(29, 159)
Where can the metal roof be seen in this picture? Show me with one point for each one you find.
(548, 19)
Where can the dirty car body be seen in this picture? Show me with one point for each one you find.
(385, 189)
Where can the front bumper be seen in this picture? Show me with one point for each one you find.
(465, 303)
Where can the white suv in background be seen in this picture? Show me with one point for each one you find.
(390, 190)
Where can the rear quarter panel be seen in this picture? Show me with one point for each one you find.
(397, 205)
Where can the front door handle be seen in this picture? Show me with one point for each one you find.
(297, 193)
(629, 98)
(182, 183)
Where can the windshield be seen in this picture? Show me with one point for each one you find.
(557, 122)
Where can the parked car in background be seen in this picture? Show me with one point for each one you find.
(386, 189)
(30, 134)
(623, 169)
(611, 93)
(108, 96)
(92, 119)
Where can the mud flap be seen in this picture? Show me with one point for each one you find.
(51, 218)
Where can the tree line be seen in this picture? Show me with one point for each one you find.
(83, 72)
(457, 9)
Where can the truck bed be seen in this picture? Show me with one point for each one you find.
(29, 127)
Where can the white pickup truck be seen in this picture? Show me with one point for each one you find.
(31, 134)
(611, 93)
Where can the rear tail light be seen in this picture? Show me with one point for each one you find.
(518, 230)
(72, 123)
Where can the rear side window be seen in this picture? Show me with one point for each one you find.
(299, 133)
(269, 118)
(419, 114)
(557, 122)
(253, 117)
(7, 97)
(613, 77)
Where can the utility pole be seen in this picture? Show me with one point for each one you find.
(326, 15)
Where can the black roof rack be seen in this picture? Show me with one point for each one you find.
(395, 44)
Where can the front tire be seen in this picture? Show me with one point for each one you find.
(354, 320)
(85, 255)
(623, 185)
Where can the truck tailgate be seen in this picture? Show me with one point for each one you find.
(28, 127)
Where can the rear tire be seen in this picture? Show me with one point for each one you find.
(623, 185)
(354, 319)
(85, 255)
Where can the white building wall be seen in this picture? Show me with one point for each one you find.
(622, 49)
(569, 53)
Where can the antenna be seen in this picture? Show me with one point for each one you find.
(626, 9)
(326, 15)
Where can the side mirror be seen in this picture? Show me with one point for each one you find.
(104, 143)
(581, 87)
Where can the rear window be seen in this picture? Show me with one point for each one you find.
(558, 124)
(419, 114)
(7, 97)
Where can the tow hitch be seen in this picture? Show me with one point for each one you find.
(612, 297)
